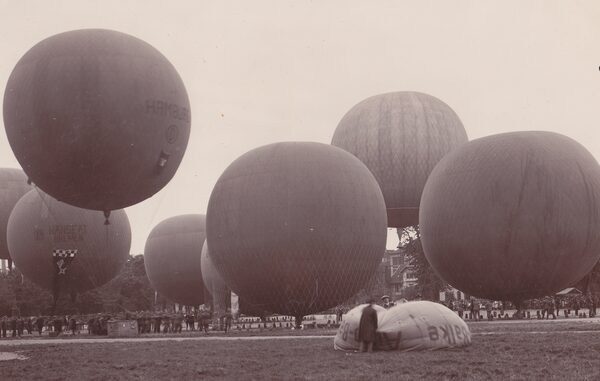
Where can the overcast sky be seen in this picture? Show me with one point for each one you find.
(259, 72)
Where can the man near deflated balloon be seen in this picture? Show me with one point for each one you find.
(367, 327)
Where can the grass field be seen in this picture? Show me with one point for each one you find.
(565, 350)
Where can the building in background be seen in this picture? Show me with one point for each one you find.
(394, 277)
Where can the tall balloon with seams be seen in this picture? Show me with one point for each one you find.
(13, 185)
(64, 248)
(97, 118)
(297, 227)
(172, 258)
(400, 137)
(513, 216)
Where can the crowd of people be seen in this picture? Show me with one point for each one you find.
(17, 326)
(97, 324)
(174, 322)
(204, 320)
(543, 308)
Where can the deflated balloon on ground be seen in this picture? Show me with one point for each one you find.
(420, 325)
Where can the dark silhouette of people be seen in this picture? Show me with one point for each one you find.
(40, 322)
(387, 303)
(367, 328)
(3, 325)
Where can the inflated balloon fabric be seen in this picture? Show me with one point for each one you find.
(298, 227)
(41, 230)
(97, 118)
(513, 216)
(13, 185)
(172, 257)
(400, 137)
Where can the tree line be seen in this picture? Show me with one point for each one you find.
(130, 290)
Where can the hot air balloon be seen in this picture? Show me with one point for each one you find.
(420, 325)
(172, 258)
(97, 118)
(64, 248)
(13, 185)
(400, 137)
(296, 226)
(513, 216)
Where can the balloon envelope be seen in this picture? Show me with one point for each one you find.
(172, 257)
(513, 216)
(97, 118)
(408, 326)
(13, 185)
(298, 227)
(400, 137)
(39, 228)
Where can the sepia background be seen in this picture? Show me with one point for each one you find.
(259, 72)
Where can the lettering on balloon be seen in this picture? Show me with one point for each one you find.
(433, 333)
(64, 233)
(172, 134)
(170, 110)
(451, 334)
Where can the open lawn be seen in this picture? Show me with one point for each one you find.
(562, 349)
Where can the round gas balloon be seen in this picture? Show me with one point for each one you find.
(97, 118)
(296, 226)
(513, 216)
(64, 248)
(172, 258)
(408, 326)
(400, 137)
(13, 185)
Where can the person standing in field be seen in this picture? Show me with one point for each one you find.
(550, 309)
(39, 322)
(367, 328)
(3, 325)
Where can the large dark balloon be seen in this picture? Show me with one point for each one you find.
(400, 137)
(297, 226)
(172, 258)
(513, 216)
(13, 185)
(97, 118)
(40, 227)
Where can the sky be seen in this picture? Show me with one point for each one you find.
(259, 72)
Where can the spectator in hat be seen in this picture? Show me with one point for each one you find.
(367, 328)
